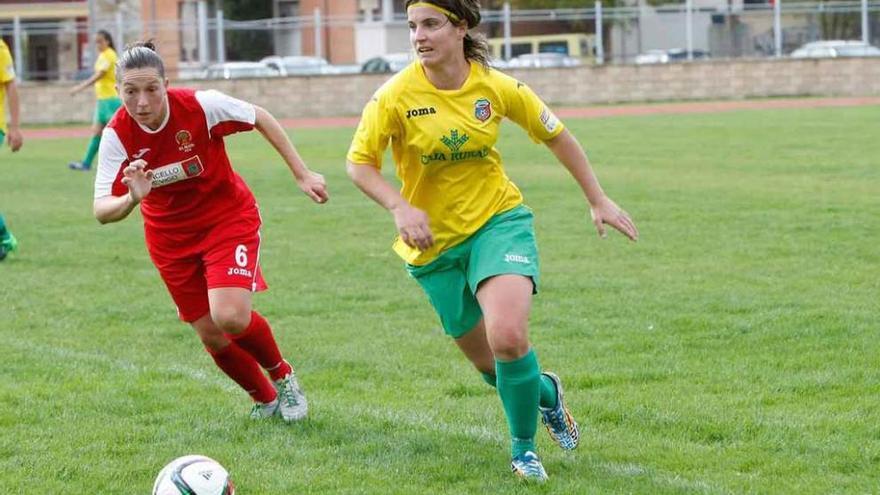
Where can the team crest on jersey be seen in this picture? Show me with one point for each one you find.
(482, 109)
(184, 139)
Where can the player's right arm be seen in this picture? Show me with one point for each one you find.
(364, 164)
(139, 182)
(120, 185)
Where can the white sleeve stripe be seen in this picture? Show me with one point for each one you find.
(111, 155)
(220, 107)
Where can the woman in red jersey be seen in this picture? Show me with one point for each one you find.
(201, 221)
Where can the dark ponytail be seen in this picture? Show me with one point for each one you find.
(139, 55)
(107, 38)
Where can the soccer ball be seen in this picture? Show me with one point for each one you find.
(193, 475)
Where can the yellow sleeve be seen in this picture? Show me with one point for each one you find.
(525, 108)
(375, 130)
(103, 63)
(7, 68)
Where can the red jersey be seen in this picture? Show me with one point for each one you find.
(194, 186)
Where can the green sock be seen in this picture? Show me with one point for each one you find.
(92, 151)
(3, 228)
(518, 385)
(548, 389)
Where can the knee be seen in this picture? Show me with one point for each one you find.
(231, 319)
(509, 340)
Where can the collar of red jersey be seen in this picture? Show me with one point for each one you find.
(164, 121)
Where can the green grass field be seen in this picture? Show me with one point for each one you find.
(733, 349)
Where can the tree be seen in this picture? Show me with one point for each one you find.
(248, 45)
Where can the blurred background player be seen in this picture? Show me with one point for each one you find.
(166, 153)
(108, 101)
(10, 132)
(464, 232)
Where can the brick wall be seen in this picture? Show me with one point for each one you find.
(327, 96)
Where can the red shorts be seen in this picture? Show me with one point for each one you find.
(190, 263)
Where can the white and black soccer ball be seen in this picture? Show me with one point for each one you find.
(193, 475)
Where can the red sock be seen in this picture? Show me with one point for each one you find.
(243, 369)
(258, 341)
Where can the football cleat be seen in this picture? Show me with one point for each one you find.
(292, 404)
(8, 244)
(78, 166)
(264, 410)
(528, 467)
(563, 429)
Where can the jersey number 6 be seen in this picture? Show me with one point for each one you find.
(241, 255)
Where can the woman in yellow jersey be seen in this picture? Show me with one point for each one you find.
(463, 230)
(104, 80)
(8, 90)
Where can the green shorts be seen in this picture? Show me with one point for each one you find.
(105, 109)
(504, 245)
(2, 134)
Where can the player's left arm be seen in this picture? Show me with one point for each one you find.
(15, 139)
(311, 183)
(602, 209)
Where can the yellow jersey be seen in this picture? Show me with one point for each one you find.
(443, 142)
(105, 86)
(7, 73)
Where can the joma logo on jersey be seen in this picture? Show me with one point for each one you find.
(420, 112)
(140, 153)
(516, 258)
(240, 271)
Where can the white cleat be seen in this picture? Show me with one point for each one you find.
(292, 404)
(264, 410)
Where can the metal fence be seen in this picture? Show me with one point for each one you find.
(620, 35)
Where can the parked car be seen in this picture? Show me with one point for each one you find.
(666, 56)
(389, 63)
(342, 69)
(236, 70)
(540, 60)
(836, 48)
(296, 65)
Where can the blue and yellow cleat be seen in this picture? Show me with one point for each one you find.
(563, 429)
(528, 467)
(8, 244)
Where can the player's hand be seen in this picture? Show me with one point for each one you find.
(313, 184)
(412, 224)
(138, 181)
(607, 212)
(15, 139)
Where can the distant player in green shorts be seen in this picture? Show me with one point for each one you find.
(8, 88)
(104, 80)
(463, 230)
